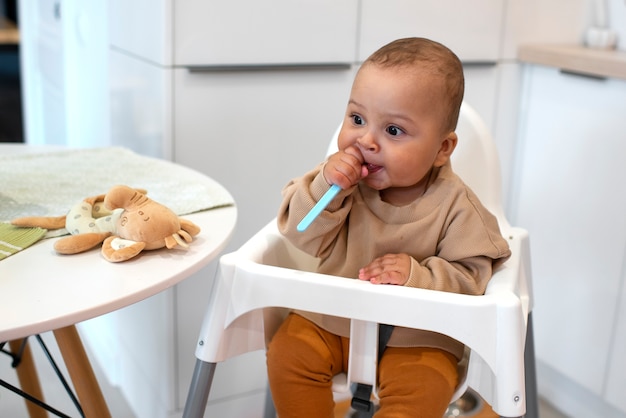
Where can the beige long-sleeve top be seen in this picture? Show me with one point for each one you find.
(453, 240)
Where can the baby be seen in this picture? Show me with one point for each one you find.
(402, 218)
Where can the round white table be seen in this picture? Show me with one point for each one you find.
(41, 291)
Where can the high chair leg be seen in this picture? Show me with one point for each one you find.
(270, 410)
(198, 395)
(532, 405)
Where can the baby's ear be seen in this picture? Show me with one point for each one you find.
(445, 151)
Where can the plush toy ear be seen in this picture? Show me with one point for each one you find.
(115, 254)
(188, 226)
(75, 244)
(122, 196)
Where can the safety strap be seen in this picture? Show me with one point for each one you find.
(362, 393)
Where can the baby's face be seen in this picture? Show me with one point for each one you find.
(395, 119)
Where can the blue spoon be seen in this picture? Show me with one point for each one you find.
(318, 208)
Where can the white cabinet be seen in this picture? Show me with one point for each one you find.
(275, 32)
(476, 38)
(616, 378)
(249, 93)
(253, 132)
(541, 21)
(569, 196)
(471, 28)
(64, 72)
(240, 36)
(141, 105)
(142, 29)
(236, 32)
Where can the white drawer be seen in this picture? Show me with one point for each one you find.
(236, 32)
(244, 32)
(471, 28)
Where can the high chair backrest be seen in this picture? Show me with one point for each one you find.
(475, 160)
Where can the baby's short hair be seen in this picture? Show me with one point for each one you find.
(431, 56)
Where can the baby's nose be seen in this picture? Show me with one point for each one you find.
(368, 142)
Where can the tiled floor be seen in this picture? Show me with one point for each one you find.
(13, 406)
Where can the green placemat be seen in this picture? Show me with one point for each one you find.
(14, 239)
(50, 183)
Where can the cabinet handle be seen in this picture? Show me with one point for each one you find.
(486, 63)
(56, 10)
(582, 75)
(268, 67)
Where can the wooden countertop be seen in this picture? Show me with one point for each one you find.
(577, 59)
(8, 32)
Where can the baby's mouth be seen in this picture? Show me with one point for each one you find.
(373, 168)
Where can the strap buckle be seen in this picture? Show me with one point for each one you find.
(361, 398)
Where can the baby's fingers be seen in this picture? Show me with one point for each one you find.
(389, 269)
(342, 169)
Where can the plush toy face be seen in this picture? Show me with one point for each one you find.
(146, 221)
(150, 225)
(143, 220)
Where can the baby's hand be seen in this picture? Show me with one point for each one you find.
(345, 168)
(388, 269)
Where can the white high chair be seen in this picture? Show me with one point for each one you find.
(257, 284)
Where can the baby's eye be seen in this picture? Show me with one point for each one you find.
(357, 120)
(394, 130)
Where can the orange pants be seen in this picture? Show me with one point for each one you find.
(302, 359)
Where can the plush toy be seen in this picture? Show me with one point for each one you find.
(125, 220)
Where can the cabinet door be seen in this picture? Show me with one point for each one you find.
(493, 90)
(254, 131)
(540, 21)
(141, 105)
(142, 28)
(616, 379)
(243, 32)
(571, 199)
(65, 70)
(481, 90)
(41, 34)
(471, 28)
